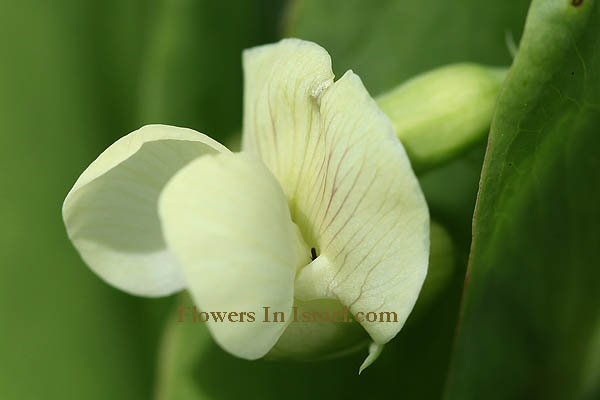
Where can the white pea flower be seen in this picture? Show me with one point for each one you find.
(321, 210)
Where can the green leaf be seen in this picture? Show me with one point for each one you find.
(66, 93)
(530, 324)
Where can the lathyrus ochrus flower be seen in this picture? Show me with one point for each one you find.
(321, 210)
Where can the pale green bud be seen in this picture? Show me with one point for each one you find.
(439, 113)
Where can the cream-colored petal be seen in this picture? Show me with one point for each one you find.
(226, 219)
(282, 83)
(365, 210)
(111, 213)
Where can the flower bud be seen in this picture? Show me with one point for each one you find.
(439, 113)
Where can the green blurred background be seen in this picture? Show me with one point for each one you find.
(77, 75)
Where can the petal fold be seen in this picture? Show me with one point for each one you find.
(227, 221)
(111, 213)
(283, 82)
